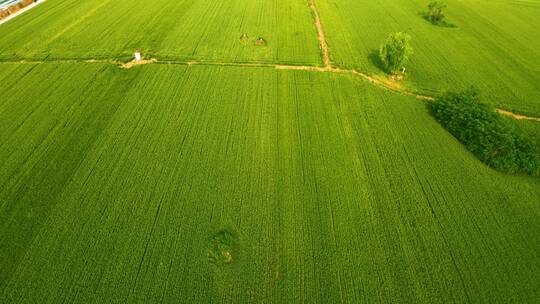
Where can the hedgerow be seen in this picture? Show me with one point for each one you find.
(491, 137)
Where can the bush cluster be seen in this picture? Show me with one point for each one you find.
(435, 12)
(488, 135)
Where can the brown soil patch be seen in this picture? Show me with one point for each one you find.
(4, 14)
(132, 63)
(18, 6)
(15, 8)
(260, 42)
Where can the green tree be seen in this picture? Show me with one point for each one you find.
(435, 12)
(488, 135)
(395, 51)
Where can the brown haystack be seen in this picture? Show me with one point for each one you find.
(260, 42)
(244, 38)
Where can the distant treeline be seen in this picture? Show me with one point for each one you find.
(496, 140)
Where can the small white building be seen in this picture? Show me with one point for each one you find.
(137, 55)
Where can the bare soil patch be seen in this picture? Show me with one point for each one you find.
(132, 63)
(396, 77)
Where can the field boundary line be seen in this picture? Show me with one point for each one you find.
(517, 116)
(22, 11)
(380, 82)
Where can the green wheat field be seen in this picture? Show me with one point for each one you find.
(212, 175)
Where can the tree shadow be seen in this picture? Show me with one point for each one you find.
(444, 23)
(373, 56)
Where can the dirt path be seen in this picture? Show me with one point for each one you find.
(322, 40)
(517, 116)
(2, 21)
(382, 82)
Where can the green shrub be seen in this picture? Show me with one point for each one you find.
(220, 251)
(395, 51)
(491, 137)
(435, 12)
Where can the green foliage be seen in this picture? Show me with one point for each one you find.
(487, 134)
(435, 12)
(395, 51)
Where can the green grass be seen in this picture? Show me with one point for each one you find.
(115, 184)
(493, 46)
(180, 30)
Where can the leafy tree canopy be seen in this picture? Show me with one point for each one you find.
(395, 51)
(488, 135)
